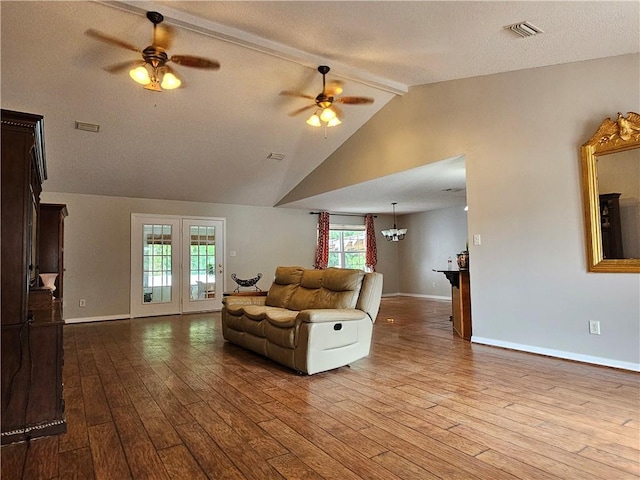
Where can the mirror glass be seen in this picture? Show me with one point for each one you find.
(611, 192)
(619, 186)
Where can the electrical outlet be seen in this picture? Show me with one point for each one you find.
(83, 302)
(594, 327)
(477, 239)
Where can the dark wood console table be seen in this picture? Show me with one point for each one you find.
(460, 301)
(246, 293)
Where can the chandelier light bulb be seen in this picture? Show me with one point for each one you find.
(333, 122)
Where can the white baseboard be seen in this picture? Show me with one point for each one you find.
(98, 319)
(417, 295)
(578, 357)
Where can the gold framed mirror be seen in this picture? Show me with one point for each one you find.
(611, 194)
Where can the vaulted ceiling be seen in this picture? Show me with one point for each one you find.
(210, 140)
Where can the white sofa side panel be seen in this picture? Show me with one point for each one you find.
(332, 345)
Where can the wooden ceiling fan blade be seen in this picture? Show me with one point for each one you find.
(118, 67)
(333, 88)
(162, 36)
(296, 94)
(300, 110)
(111, 40)
(195, 62)
(354, 100)
(338, 111)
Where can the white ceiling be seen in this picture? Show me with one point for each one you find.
(209, 141)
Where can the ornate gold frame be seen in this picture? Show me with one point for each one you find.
(612, 136)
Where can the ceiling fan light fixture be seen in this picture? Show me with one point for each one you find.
(153, 85)
(314, 120)
(170, 81)
(140, 75)
(327, 115)
(333, 122)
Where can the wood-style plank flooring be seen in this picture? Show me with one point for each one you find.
(167, 398)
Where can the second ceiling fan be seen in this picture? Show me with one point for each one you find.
(152, 70)
(326, 110)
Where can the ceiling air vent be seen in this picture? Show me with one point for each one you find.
(276, 156)
(88, 127)
(524, 29)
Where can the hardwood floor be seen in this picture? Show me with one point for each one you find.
(167, 398)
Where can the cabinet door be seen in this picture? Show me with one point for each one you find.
(19, 220)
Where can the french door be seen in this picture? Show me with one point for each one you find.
(177, 264)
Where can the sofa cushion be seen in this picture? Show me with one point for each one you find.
(282, 318)
(284, 337)
(305, 295)
(340, 288)
(235, 310)
(284, 285)
(255, 312)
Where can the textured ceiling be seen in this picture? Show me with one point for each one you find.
(210, 141)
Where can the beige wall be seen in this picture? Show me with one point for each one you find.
(433, 237)
(97, 246)
(520, 133)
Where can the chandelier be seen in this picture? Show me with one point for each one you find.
(394, 234)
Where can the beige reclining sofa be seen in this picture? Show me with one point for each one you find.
(310, 320)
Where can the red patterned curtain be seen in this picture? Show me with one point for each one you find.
(371, 257)
(322, 251)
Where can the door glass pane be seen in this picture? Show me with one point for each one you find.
(202, 262)
(156, 263)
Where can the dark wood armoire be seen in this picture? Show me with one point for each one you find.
(31, 322)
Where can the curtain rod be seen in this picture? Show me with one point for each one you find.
(344, 214)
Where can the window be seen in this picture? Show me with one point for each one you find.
(347, 247)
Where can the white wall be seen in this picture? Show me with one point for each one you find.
(97, 246)
(520, 133)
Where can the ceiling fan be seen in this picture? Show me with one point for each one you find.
(152, 70)
(325, 106)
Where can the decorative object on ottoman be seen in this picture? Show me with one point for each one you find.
(251, 282)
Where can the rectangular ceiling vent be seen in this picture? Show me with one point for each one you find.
(276, 156)
(524, 29)
(88, 127)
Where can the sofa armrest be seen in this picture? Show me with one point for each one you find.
(244, 300)
(323, 315)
